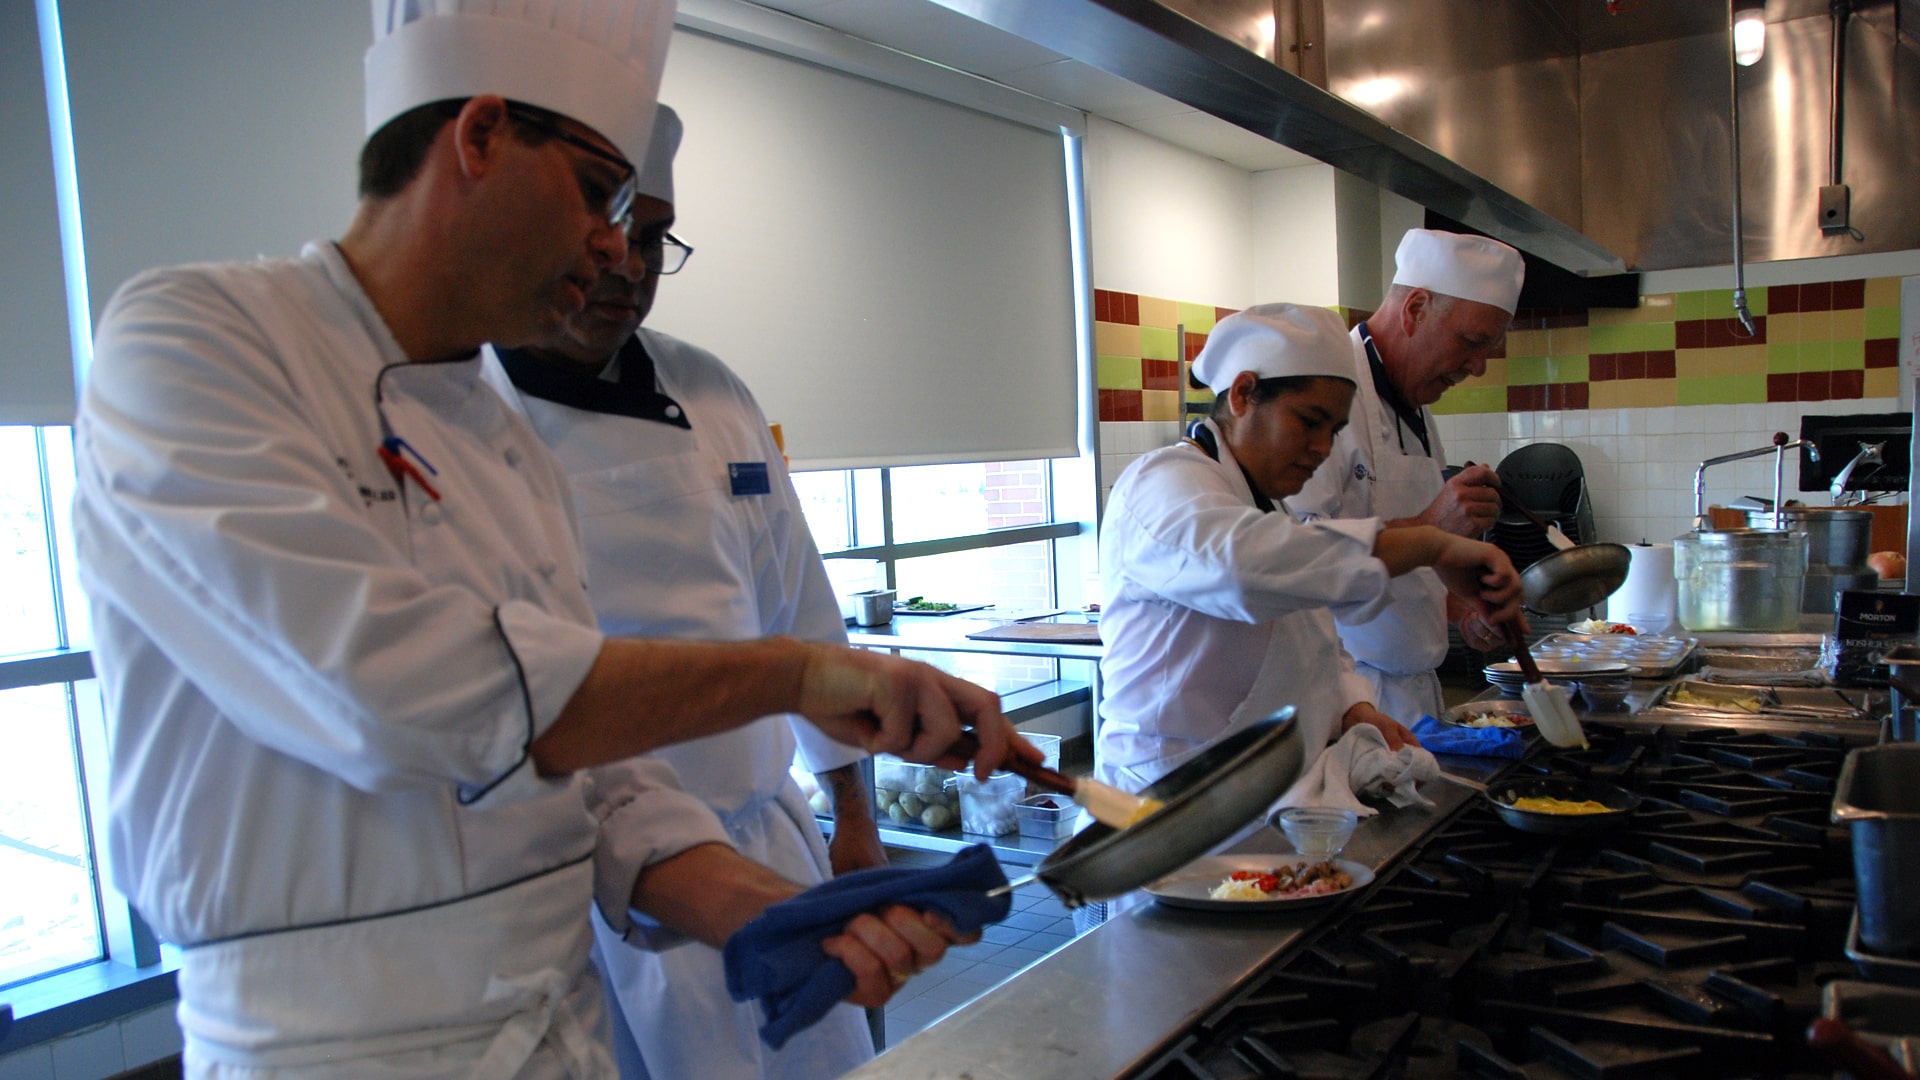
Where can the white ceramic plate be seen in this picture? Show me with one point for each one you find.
(1188, 886)
(1573, 669)
(1573, 629)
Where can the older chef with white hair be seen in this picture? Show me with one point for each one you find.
(1217, 599)
(1452, 299)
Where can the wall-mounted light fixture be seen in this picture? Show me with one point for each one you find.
(1749, 35)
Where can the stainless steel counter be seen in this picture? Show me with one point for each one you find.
(1105, 1003)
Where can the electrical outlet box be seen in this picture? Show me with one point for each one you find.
(1834, 207)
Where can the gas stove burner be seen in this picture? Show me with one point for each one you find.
(1692, 940)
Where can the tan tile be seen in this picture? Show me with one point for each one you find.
(1882, 382)
(1159, 404)
(1694, 363)
(1655, 393)
(1785, 329)
(1116, 339)
(1849, 325)
(1610, 395)
(1883, 292)
(1568, 341)
(1527, 343)
(1657, 307)
(1155, 311)
(1496, 374)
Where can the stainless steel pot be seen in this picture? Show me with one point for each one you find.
(1878, 801)
(1208, 799)
(1575, 579)
(1838, 541)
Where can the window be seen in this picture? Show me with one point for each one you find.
(51, 906)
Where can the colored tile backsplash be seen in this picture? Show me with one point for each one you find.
(1827, 341)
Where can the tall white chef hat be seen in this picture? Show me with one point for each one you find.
(1469, 267)
(1275, 340)
(595, 61)
(656, 173)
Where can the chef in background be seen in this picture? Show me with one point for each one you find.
(693, 530)
(349, 664)
(1218, 601)
(1452, 299)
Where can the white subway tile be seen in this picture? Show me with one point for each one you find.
(1659, 421)
(90, 1055)
(149, 1036)
(33, 1063)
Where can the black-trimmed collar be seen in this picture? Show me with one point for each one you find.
(633, 393)
(1409, 414)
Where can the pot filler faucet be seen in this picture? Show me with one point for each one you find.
(1778, 448)
(1870, 454)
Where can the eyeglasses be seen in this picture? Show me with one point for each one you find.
(619, 201)
(661, 252)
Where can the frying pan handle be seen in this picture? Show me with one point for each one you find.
(968, 745)
(1852, 1053)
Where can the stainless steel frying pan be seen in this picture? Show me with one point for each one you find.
(1208, 799)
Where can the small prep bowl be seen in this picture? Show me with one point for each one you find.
(1318, 832)
(1605, 693)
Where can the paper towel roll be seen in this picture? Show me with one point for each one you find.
(1649, 588)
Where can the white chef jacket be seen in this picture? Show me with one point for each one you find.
(321, 684)
(1215, 613)
(1379, 469)
(674, 551)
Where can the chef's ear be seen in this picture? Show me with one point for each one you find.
(1240, 393)
(478, 133)
(1417, 308)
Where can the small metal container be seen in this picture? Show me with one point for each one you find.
(874, 607)
(1878, 799)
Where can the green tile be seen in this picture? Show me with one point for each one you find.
(1883, 322)
(1721, 390)
(1117, 373)
(1566, 369)
(1609, 338)
(1849, 356)
(1472, 399)
(1197, 318)
(1756, 302)
(1159, 343)
(1527, 370)
(1693, 391)
(1783, 358)
(1817, 356)
(1690, 305)
(1655, 336)
(1716, 303)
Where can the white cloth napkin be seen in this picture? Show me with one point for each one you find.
(1360, 763)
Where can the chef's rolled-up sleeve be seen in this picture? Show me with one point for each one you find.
(645, 817)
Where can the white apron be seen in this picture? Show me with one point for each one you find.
(1397, 652)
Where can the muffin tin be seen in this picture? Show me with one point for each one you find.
(1647, 656)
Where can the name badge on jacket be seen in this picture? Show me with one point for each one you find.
(749, 477)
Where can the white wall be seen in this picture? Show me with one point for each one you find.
(1165, 221)
(1296, 254)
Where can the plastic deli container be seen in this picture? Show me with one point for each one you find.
(1047, 817)
(914, 796)
(988, 806)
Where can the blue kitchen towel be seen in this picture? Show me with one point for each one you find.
(1475, 742)
(777, 959)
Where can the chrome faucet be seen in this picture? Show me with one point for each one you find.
(1870, 454)
(1778, 448)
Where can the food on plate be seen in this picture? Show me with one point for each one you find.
(1494, 719)
(920, 603)
(1598, 626)
(1888, 564)
(1742, 702)
(1546, 804)
(1281, 882)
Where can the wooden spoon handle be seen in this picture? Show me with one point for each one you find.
(1520, 654)
(1053, 780)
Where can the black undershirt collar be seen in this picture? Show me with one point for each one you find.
(1409, 415)
(634, 394)
(1202, 437)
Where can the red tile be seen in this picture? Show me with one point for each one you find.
(1690, 334)
(1106, 406)
(1526, 398)
(1195, 342)
(1660, 364)
(1720, 333)
(1759, 331)
(1783, 299)
(1222, 312)
(1815, 385)
(1817, 296)
(1576, 396)
(1102, 305)
(1129, 405)
(1631, 365)
(1131, 315)
(1848, 385)
(1883, 352)
(1779, 387)
(1160, 374)
(1849, 294)
(1603, 367)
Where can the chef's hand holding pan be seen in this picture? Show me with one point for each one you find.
(902, 707)
(1468, 505)
(1393, 730)
(1482, 575)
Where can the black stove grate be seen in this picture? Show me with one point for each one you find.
(1693, 941)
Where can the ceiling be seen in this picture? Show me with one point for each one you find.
(931, 32)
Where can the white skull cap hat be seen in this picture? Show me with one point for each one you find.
(656, 172)
(1274, 341)
(1469, 267)
(595, 61)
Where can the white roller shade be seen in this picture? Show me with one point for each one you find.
(217, 129)
(890, 274)
(36, 365)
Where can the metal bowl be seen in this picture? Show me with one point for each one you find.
(1208, 799)
(1619, 801)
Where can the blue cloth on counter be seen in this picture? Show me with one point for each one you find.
(1473, 742)
(777, 959)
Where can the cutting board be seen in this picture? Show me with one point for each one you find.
(1051, 633)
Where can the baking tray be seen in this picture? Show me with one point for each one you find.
(1769, 703)
(1664, 669)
